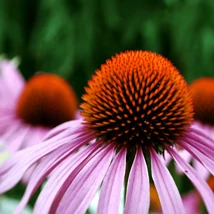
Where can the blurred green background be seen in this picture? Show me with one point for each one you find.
(73, 37)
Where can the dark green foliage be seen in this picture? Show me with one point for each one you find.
(72, 38)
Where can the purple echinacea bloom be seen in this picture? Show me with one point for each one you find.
(136, 106)
(28, 110)
(202, 91)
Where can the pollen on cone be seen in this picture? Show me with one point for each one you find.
(138, 97)
(203, 99)
(47, 100)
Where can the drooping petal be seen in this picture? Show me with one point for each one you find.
(199, 154)
(28, 173)
(65, 128)
(201, 169)
(46, 165)
(10, 130)
(6, 119)
(196, 179)
(112, 185)
(10, 77)
(35, 135)
(47, 146)
(59, 179)
(84, 186)
(22, 160)
(168, 193)
(200, 141)
(186, 156)
(207, 129)
(138, 194)
(15, 141)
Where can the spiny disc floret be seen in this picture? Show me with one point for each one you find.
(137, 98)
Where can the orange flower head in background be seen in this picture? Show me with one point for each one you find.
(30, 109)
(202, 91)
(47, 100)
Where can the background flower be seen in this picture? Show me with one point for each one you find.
(28, 110)
(202, 91)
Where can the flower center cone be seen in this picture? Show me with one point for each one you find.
(138, 98)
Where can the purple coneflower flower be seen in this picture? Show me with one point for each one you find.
(28, 110)
(202, 91)
(135, 107)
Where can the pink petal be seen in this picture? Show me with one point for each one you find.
(77, 115)
(199, 155)
(112, 185)
(186, 156)
(46, 165)
(28, 173)
(11, 130)
(11, 77)
(48, 146)
(6, 116)
(16, 140)
(138, 190)
(34, 136)
(201, 169)
(207, 129)
(65, 128)
(61, 178)
(22, 160)
(191, 203)
(83, 188)
(168, 193)
(197, 181)
(200, 141)
(5, 122)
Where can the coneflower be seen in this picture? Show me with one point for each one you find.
(136, 106)
(202, 91)
(28, 110)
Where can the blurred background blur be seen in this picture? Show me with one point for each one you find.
(73, 37)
